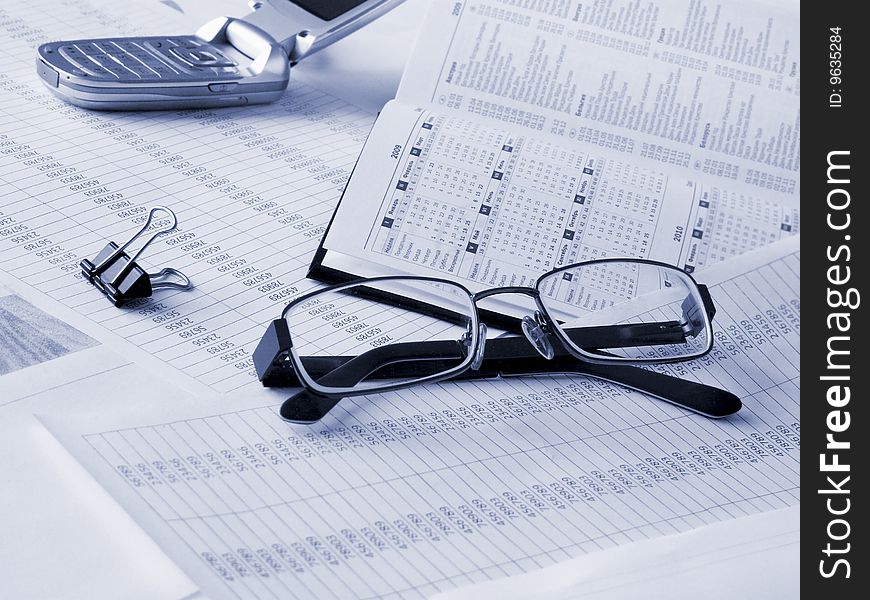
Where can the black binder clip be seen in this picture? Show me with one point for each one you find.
(118, 276)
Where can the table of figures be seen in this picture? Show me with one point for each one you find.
(253, 189)
(402, 495)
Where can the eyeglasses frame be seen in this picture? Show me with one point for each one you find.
(475, 331)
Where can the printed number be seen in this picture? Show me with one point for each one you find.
(397, 150)
(678, 233)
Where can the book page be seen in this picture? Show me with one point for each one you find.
(440, 195)
(409, 493)
(711, 88)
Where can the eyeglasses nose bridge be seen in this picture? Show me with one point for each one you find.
(536, 335)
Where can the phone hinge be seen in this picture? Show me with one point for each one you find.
(250, 40)
(301, 34)
(299, 45)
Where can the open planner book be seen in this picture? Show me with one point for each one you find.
(530, 135)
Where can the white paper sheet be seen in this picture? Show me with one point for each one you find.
(750, 557)
(416, 492)
(63, 535)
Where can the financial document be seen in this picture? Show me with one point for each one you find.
(253, 189)
(410, 493)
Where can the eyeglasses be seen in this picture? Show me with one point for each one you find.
(597, 318)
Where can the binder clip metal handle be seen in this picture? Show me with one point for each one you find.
(117, 275)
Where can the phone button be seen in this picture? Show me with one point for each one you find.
(198, 57)
(75, 56)
(85, 62)
(221, 87)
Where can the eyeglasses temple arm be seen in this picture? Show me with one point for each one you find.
(310, 407)
(697, 397)
(647, 334)
(514, 356)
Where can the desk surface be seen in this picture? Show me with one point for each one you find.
(63, 536)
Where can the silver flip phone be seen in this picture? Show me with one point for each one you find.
(228, 62)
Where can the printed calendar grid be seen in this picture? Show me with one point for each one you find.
(385, 207)
(487, 236)
(514, 215)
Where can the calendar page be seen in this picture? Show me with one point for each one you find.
(442, 195)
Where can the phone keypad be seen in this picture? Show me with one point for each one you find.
(149, 59)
